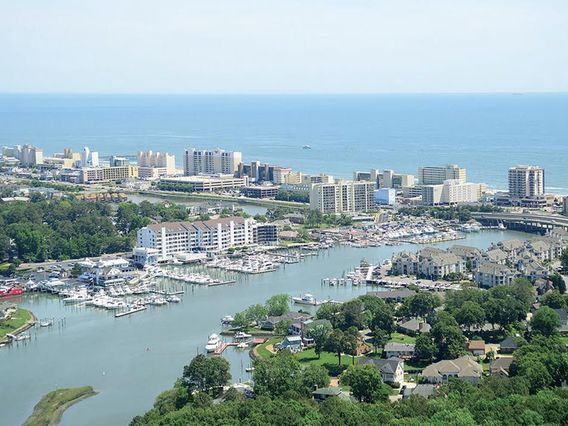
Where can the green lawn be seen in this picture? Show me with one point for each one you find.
(261, 349)
(18, 319)
(50, 408)
(564, 339)
(326, 358)
(402, 338)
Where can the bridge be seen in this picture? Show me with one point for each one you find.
(528, 222)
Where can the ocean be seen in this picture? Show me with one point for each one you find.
(486, 133)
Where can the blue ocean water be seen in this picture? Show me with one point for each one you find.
(486, 133)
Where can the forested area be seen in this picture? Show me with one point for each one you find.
(62, 229)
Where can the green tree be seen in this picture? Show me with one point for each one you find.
(564, 261)
(240, 320)
(205, 374)
(278, 304)
(313, 376)
(424, 347)
(256, 313)
(558, 283)
(319, 333)
(545, 321)
(336, 343)
(448, 337)
(470, 314)
(366, 383)
(278, 375)
(554, 300)
(281, 328)
(422, 303)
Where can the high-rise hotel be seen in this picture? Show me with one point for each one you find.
(218, 161)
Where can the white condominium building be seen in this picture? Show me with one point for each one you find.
(438, 175)
(197, 162)
(452, 191)
(342, 196)
(526, 182)
(170, 238)
(30, 156)
(152, 165)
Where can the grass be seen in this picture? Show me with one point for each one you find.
(402, 338)
(50, 408)
(17, 320)
(4, 266)
(327, 358)
(261, 349)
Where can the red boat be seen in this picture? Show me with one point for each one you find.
(13, 291)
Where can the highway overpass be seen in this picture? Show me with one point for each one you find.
(530, 222)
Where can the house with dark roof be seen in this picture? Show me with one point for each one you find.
(322, 394)
(414, 327)
(294, 317)
(392, 370)
(500, 366)
(399, 350)
(508, 345)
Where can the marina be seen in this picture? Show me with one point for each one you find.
(160, 340)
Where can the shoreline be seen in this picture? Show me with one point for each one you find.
(28, 324)
(38, 417)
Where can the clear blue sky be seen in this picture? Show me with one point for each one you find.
(283, 46)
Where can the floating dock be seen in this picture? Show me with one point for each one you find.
(129, 312)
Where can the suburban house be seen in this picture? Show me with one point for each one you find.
(501, 366)
(392, 370)
(424, 390)
(291, 343)
(414, 327)
(323, 394)
(508, 345)
(464, 368)
(399, 350)
(476, 347)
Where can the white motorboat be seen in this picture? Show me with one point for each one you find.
(240, 335)
(305, 299)
(213, 342)
(77, 298)
(173, 299)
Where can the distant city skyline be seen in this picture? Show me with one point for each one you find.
(267, 47)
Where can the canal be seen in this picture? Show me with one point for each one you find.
(130, 360)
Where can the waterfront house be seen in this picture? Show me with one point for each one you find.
(7, 309)
(476, 347)
(414, 327)
(291, 343)
(464, 368)
(500, 366)
(392, 370)
(399, 350)
(508, 345)
(293, 317)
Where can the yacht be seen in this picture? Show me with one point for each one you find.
(227, 319)
(78, 298)
(213, 342)
(305, 299)
(173, 299)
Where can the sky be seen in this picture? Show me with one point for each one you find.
(285, 46)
